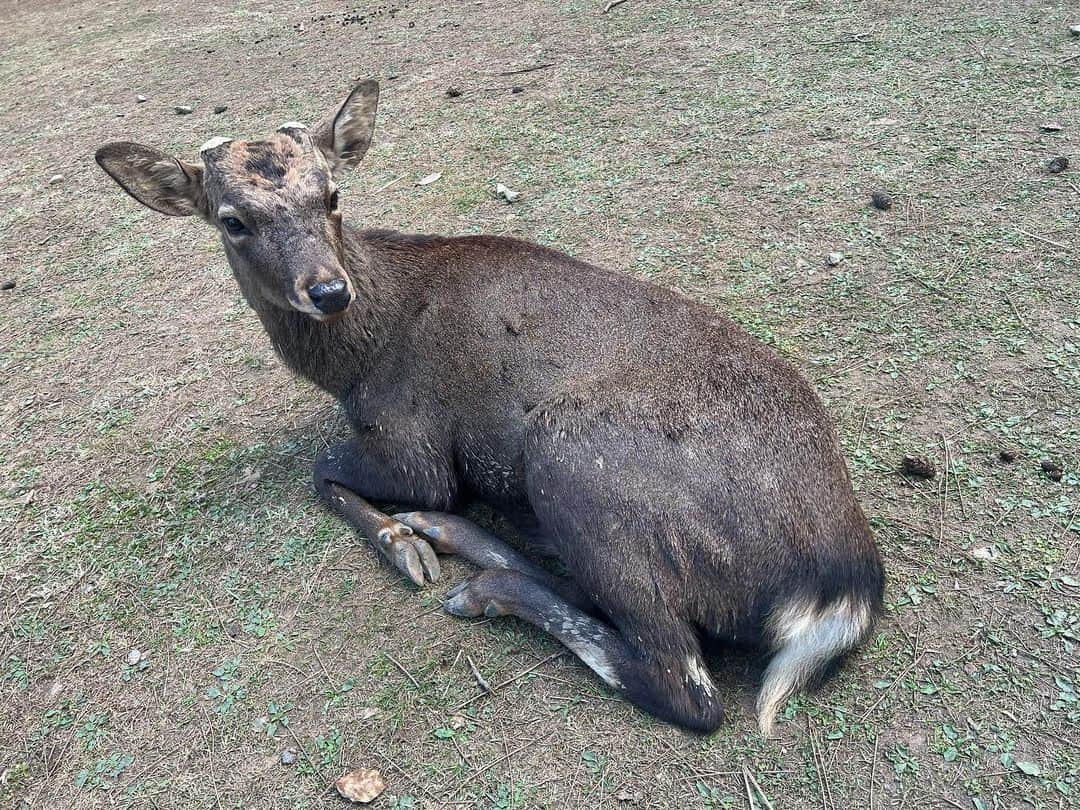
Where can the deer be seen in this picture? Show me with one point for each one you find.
(684, 479)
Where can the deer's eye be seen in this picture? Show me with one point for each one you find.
(233, 225)
(333, 201)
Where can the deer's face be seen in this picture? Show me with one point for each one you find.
(274, 202)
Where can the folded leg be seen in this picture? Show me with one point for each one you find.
(670, 681)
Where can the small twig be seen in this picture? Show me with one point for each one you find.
(519, 71)
(483, 684)
(385, 186)
(1042, 239)
(944, 499)
(889, 688)
(873, 766)
(748, 780)
(817, 764)
(1070, 58)
(1018, 316)
(404, 671)
(210, 750)
(612, 4)
(857, 37)
(510, 680)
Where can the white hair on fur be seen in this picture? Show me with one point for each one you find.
(806, 637)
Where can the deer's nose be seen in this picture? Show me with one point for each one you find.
(329, 296)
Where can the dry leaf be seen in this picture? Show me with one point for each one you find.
(427, 181)
(362, 785)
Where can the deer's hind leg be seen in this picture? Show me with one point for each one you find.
(452, 534)
(669, 681)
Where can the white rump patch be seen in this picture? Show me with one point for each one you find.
(292, 125)
(213, 143)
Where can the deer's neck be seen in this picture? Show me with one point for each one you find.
(334, 355)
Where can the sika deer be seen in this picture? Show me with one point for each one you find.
(687, 478)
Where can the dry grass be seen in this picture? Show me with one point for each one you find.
(155, 456)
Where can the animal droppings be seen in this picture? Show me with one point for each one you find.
(181, 109)
(917, 466)
(1058, 165)
(219, 109)
(8, 285)
(834, 259)
(1052, 469)
(881, 200)
(453, 92)
(1007, 455)
(140, 99)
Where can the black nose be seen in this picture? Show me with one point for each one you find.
(329, 296)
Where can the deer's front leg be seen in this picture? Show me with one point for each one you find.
(345, 472)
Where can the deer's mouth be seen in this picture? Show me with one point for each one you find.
(324, 300)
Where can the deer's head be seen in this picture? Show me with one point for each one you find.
(274, 201)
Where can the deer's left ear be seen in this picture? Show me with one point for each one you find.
(345, 137)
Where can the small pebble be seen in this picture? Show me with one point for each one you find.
(56, 178)
(881, 200)
(219, 109)
(517, 88)
(288, 756)
(1058, 165)
(8, 285)
(917, 466)
(134, 657)
(1052, 126)
(181, 109)
(141, 99)
(1074, 29)
(453, 92)
(1007, 454)
(834, 259)
(506, 193)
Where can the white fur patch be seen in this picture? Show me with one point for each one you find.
(805, 638)
(597, 659)
(697, 673)
(292, 125)
(213, 143)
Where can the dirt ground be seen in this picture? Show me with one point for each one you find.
(177, 611)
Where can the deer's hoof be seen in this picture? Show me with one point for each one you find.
(409, 553)
(467, 602)
(434, 526)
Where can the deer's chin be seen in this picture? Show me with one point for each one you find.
(323, 317)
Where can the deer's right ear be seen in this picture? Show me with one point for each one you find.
(157, 180)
